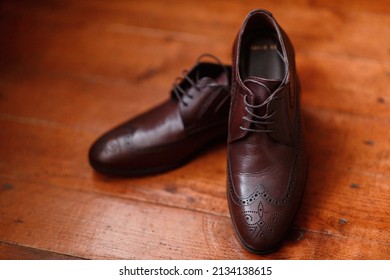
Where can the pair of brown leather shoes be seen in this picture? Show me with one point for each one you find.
(259, 111)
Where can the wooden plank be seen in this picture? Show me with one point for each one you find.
(51, 100)
(310, 245)
(334, 85)
(359, 148)
(340, 32)
(339, 84)
(88, 225)
(342, 141)
(49, 33)
(93, 226)
(58, 156)
(17, 252)
(112, 103)
(346, 204)
(82, 64)
(95, 44)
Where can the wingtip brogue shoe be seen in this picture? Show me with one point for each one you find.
(266, 157)
(168, 135)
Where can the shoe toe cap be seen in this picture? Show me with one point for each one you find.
(104, 153)
(259, 231)
(113, 151)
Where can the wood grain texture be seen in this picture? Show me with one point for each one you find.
(18, 252)
(70, 70)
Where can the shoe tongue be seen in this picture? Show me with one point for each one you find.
(261, 88)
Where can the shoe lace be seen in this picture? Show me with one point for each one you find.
(259, 121)
(180, 93)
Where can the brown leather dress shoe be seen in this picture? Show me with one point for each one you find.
(266, 155)
(169, 134)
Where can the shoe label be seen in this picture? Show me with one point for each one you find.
(264, 47)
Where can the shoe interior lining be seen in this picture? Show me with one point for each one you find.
(262, 57)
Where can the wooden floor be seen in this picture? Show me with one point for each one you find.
(70, 70)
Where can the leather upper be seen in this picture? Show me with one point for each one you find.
(266, 154)
(165, 136)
